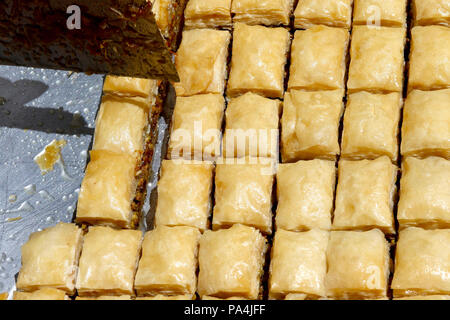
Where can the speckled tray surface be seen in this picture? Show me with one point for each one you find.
(37, 106)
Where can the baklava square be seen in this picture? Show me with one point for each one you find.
(425, 129)
(231, 263)
(196, 127)
(243, 194)
(318, 58)
(371, 126)
(365, 195)
(333, 13)
(390, 13)
(265, 12)
(358, 265)
(258, 60)
(169, 262)
(41, 294)
(184, 194)
(207, 14)
(424, 193)
(247, 135)
(129, 87)
(377, 59)
(310, 125)
(422, 263)
(201, 62)
(108, 261)
(298, 264)
(431, 12)
(50, 259)
(107, 190)
(305, 192)
(428, 61)
(116, 131)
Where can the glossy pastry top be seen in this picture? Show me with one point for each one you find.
(128, 86)
(429, 66)
(41, 294)
(422, 262)
(318, 58)
(298, 263)
(247, 135)
(208, 13)
(428, 12)
(335, 13)
(266, 12)
(377, 59)
(243, 195)
(358, 264)
(305, 192)
(365, 195)
(425, 193)
(120, 125)
(310, 124)
(231, 262)
(196, 127)
(371, 125)
(426, 119)
(49, 258)
(169, 261)
(108, 261)
(107, 189)
(184, 194)
(201, 62)
(391, 13)
(258, 60)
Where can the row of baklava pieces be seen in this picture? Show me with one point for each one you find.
(304, 265)
(335, 13)
(109, 187)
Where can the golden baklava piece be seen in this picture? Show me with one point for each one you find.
(431, 12)
(425, 129)
(390, 13)
(428, 61)
(108, 262)
(116, 131)
(169, 262)
(258, 60)
(371, 126)
(358, 265)
(424, 193)
(41, 294)
(298, 264)
(50, 259)
(318, 58)
(201, 62)
(377, 59)
(196, 127)
(310, 125)
(129, 87)
(422, 263)
(106, 298)
(243, 195)
(333, 13)
(184, 194)
(168, 15)
(265, 12)
(108, 190)
(247, 135)
(365, 195)
(207, 14)
(231, 263)
(305, 192)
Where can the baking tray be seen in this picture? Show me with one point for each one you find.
(36, 107)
